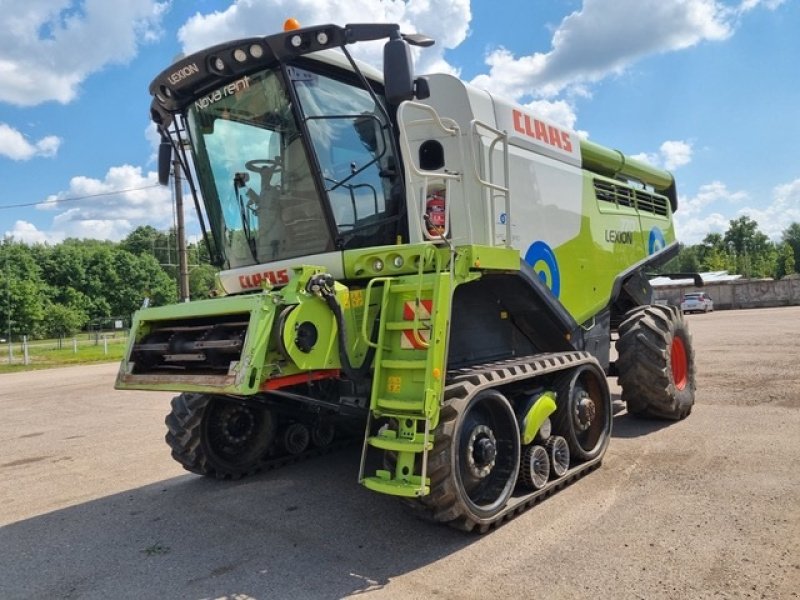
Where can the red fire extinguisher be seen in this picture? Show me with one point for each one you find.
(435, 213)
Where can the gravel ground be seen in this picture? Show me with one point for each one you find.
(92, 506)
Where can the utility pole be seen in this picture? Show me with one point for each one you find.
(7, 244)
(183, 269)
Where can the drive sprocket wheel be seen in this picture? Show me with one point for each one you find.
(474, 463)
(656, 363)
(218, 436)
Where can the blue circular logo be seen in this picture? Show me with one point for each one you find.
(541, 257)
(656, 241)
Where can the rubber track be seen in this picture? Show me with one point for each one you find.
(464, 383)
(273, 464)
(183, 425)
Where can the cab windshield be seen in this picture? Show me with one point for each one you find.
(261, 195)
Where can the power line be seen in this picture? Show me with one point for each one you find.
(74, 198)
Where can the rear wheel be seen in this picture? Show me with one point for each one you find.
(217, 436)
(656, 363)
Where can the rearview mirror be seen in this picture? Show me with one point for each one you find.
(164, 161)
(398, 71)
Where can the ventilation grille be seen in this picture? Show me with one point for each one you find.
(622, 195)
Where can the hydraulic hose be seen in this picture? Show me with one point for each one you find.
(322, 286)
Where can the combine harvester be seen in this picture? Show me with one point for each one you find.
(411, 254)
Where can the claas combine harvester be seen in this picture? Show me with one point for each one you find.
(413, 255)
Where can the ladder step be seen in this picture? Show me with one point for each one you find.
(403, 288)
(406, 325)
(404, 364)
(382, 482)
(396, 444)
(402, 405)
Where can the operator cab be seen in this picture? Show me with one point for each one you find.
(251, 152)
(293, 156)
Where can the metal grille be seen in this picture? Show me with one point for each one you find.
(622, 195)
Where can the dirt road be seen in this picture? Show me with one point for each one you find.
(92, 506)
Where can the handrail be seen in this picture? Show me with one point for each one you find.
(365, 316)
(499, 137)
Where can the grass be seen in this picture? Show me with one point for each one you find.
(45, 354)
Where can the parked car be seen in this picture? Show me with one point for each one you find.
(697, 302)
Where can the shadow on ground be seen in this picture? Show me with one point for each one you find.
(305, 531)
(627, 426)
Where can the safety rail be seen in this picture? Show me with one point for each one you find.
(499, 137)
(424, 181)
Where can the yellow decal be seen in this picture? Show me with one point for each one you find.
(393, 384)
(353, 299)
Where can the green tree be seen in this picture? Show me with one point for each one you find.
(754, 253)
(791, 236)
(61, 321)
(22, 290)
(785, 264)
(202, 281)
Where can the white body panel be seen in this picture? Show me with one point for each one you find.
(247, 279)
(544, 175)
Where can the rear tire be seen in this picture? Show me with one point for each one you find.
(219, 437)
(656, 363)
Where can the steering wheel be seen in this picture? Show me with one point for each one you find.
(266, 168)
(259, 165)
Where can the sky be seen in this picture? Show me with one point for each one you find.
(708, 89)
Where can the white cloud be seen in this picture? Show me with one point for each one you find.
(671, 155)
(445, 20)
(104, 209)
(693, 231)
(16, 146)
(693, 223)
(782, 211)
(559, 111)
(601, 39)
(49, 47)
(26, 232)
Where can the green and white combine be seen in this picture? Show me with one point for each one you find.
(440, 267)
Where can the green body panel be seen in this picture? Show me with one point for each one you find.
(544, 406)
(244, 375)
(262, 357)
(613, 163)
(612, 239)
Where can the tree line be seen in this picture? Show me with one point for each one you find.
(742, 250)
(57, 290)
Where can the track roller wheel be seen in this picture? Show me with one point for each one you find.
(656, 363)
(295, 438)
(322, 433)
(558, 451)
(583, 416)
(535, 467)
(475, 460)
(217, 436)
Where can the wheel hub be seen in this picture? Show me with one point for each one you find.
(237, 425)
(585, 411)
(481, 451)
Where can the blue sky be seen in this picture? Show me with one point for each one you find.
(706, 88)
